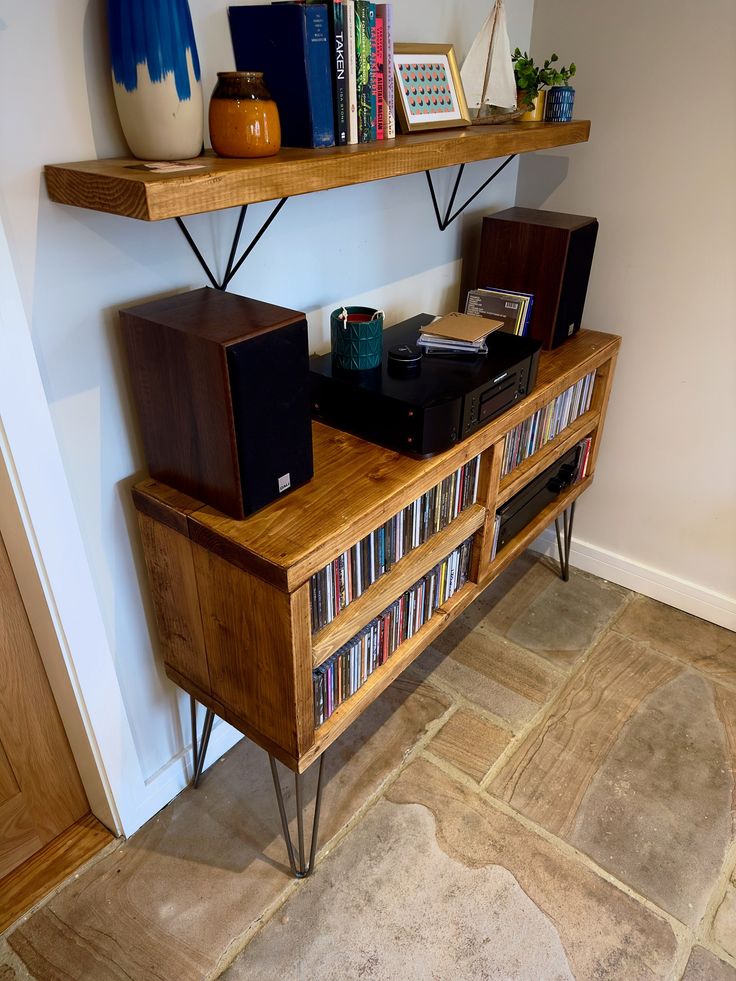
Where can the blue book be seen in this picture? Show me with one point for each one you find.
(290, 44)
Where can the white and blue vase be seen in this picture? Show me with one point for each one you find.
(156, 77)
(558, 107)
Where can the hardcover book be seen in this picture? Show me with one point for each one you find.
(351, 70)
(379, 78)
(290, 44)
(372, 36)
(389, 130)
(363, 69)
(336, 11)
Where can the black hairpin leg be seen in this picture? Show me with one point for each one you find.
(449, 216)
(299, 870)
(232, 266)
(563, 542)
(199, 747)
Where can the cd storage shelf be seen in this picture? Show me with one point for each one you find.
(232, 597)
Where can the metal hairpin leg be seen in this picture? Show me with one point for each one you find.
(563, 543)
(199, 747)
(232, 266)
(300, 871)
(449, 217)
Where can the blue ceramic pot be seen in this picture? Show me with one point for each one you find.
(156, 77)
(560, 99)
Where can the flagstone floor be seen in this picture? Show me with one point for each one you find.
(548, 793)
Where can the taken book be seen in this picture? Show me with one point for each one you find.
(290, 44)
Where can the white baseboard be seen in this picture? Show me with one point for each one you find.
(174, 776)
(683, 595)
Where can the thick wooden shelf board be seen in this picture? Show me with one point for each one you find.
(124, 187)
(357, 485)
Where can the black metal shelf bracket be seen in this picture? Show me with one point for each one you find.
(232, 265)
(449, 215)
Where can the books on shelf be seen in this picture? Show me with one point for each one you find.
(547, 423)
(290, 43)
(352, 572)
(345, 671)
(457, 332)
(350, 85)
(512, 308)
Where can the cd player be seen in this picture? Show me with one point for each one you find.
(442, 400)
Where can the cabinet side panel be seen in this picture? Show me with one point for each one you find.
(249, 633)
(601, 394)
(175, 600)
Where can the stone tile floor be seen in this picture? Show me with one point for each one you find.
(548, 793)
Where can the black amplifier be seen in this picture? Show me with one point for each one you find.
(426, 408)
(519, 510)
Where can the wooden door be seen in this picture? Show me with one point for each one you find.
(40, 791)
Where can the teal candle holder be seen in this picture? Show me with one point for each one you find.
(357, 337)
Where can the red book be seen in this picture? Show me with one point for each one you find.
(379, 80)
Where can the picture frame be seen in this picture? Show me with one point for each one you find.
(424, 102)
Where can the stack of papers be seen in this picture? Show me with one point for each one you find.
(459, 333)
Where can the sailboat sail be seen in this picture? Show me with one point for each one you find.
(488, 72)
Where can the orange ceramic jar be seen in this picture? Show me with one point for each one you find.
(244, 119)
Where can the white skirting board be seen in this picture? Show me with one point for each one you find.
(164, 785)
(679, 593)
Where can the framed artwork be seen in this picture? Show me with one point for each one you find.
(429, 93)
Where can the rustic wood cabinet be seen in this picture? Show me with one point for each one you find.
(232, 597)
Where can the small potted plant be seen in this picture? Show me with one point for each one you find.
(561, 95)
(529, 84)
(532, 79)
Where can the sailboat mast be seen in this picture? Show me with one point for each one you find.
(487, 70)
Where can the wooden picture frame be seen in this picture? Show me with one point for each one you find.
(429, 92)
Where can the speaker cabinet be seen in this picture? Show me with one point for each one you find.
(544, 253)
(221, 384)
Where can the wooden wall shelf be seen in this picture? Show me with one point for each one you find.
(124, 187)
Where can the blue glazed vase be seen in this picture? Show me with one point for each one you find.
(156, 77)
(560, 99)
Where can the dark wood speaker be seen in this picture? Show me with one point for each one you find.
(221, 384)
(544, 253)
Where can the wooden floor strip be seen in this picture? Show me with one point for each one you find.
(42, 872)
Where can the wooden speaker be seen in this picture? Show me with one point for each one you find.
(221, 384)
(544, 253)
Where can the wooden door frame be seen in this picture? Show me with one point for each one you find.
(41, 533)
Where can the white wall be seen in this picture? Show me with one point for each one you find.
(657, 81)
(76, 268)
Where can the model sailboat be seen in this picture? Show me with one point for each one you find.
(488, 72)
